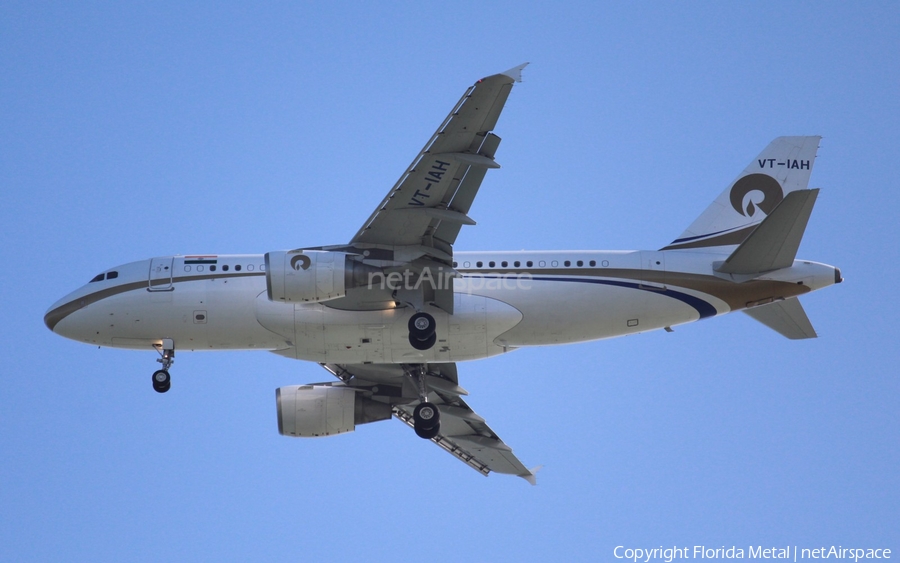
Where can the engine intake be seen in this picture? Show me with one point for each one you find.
(312, 275)
(312, 410)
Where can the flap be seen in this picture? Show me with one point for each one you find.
(464, 434)
(456, 157)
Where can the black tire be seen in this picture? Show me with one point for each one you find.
(426, 344)
(421, 326)
(430, 433)
(161, 381)
(426, 416)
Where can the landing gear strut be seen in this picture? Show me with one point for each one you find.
(426, 416)
(422, 331)
(161, 379)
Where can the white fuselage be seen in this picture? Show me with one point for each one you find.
(503, 301)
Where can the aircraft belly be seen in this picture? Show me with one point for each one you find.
(323, 334)
(139, 318)
(557, 312)
(196, 315)
(477, 322)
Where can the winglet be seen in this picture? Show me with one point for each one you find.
(516, 72)
(531, 476)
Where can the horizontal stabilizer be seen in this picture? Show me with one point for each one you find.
(786, 318)
(774, 243)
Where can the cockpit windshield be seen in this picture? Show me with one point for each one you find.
(106, 275)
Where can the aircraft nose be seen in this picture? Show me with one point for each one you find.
(59, 315)
(53, 315)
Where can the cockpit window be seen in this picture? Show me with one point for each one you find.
(98, 277)
(112, 275)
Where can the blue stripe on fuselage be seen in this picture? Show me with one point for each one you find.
(704, 309)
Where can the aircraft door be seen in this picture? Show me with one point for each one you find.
(161, 273)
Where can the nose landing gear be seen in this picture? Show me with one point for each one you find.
(161, 379)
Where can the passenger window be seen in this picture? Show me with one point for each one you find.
(98, 277)
(187, 268)
(580, 263)
(454, 264)
(225, 268)
(237, 268)
(516, 263)
(542, 263)
(529, 263)
(466, 264)
(593, 262)
(567, 263)
(555, 263)
(250, 267)
(478, 264)
(212, 268)
(491, 264)
(199, 268)
(504, 264)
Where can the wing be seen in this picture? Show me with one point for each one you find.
(429, 204)
(463, 433)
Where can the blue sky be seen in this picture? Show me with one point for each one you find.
(160, 128)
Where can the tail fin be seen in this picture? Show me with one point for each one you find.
(783, 167)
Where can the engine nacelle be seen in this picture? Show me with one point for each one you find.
(313, 410)
(312, 275)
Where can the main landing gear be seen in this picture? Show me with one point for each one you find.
(161, 379)
(422, 331)
(427, 419)
(426, 416)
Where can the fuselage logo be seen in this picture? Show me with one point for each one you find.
(300, 262)
(756, 191)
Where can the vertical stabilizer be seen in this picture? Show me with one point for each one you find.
(783, 167)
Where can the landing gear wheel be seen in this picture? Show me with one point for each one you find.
(421, 326)
(430, 433)
(426, 344)
(161, 381)
(426, 416)
(427, 420)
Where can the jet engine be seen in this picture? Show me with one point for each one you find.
(312, 275)
(317, 410)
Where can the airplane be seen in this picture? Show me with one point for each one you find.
(391, 312)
